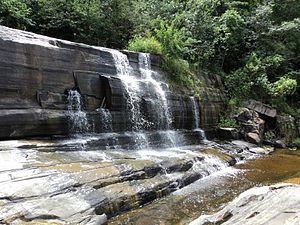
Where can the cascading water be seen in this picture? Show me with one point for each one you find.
(78, 122)
(160, 104)
(196, 115)
(164, 117)
(209, 165)
(105, 119)
(146, 86)
(131, 84)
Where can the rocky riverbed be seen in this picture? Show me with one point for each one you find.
(274, 204)
(71, 181)
(211, 194)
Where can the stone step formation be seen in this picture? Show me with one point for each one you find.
(105, 134)
(38, 74)
(74, 182)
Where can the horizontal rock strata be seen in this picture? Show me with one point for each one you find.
(36, 73)
(59, 183)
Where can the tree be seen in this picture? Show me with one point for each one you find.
(15, 13)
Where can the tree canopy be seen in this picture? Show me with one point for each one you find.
(253, 44)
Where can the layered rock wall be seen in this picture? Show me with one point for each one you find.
(36, 73)
(212, 100)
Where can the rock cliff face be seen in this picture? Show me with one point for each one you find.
(38, 72)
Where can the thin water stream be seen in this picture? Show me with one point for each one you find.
(78, 122)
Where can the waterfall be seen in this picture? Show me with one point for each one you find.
(145, 88)
(164, 118)
(196, 116)
(105, 119)
(146, 106)
(78, 122)
(131, 84)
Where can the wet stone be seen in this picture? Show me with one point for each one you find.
(38, 183)
(277, 204)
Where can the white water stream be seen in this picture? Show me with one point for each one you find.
(78, 122)
(196, 115)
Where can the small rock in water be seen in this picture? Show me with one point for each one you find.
(228, 133)
(252, 147)
(243, 144)
(253, 138)
(279, 144)
(261, 150)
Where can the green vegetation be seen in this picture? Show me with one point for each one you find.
(228, 122)
(15, 13)
(143, 44)
(296, 141)
(254, 45)
(95, 22)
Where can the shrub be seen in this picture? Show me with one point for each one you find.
(284, 86)
(184, 76)
(228, 122)
(296, 141)
(233, 104)
(179, 69)
(171, 38)
(15, 13)
(143, 44)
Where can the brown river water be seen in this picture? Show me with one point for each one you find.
(211, 193)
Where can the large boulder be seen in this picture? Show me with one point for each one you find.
(228, 133)
(251, 125)
(287, 129)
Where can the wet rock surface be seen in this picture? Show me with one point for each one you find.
(211, 194)
(252, 147)
(277, 204)
(53, 182)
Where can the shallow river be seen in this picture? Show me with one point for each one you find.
(211, 193)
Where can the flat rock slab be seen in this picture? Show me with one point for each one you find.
(269, 205)
(252, 148)
(67, 182)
